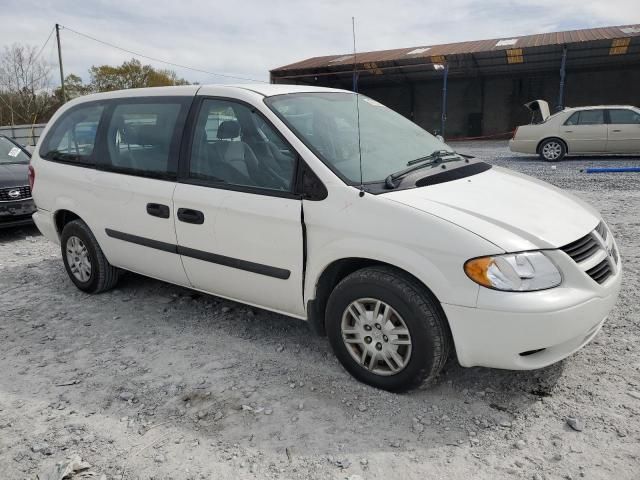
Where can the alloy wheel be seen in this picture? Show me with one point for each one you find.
(78, 259)
(376, 336)
(552, 150)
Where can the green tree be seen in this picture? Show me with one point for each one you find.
(73, 87)
(131, 74)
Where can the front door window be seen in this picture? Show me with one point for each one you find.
(234, 145)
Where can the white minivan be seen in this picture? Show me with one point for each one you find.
(325, 205)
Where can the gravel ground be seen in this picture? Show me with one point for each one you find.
(153, 381)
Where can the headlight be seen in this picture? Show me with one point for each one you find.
(514, 272)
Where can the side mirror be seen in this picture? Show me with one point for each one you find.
(440, 137)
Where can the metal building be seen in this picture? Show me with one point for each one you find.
(480, 87)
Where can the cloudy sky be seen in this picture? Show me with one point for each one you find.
(248, 37)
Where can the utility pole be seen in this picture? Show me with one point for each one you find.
(64, 97)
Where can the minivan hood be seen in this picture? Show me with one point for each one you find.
(511, 210)
(539, 106)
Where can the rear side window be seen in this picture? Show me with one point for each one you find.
(623, 116)
(586, 117)
(141, 138)
(72, 139)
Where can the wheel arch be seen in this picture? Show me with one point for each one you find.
(561, 140)
(337, 270)
(62, 217)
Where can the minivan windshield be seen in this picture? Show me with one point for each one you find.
(10, 153)
(328, 124)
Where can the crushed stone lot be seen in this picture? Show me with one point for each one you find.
(153, 381)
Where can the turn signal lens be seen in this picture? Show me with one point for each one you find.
(514, 272)
(477, 270)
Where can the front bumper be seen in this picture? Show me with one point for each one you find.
(16, 213)
(529, 330)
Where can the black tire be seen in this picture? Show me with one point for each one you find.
(552, 150)
(421, 312)
(103, 275)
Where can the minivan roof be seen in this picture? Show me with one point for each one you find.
(270, 89)
(265, 89)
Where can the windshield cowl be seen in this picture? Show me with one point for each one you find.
(439, 157)
(432, 174)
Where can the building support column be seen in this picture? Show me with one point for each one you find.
(443, 118)
(412, 101)
(563, 65)
(482, 106)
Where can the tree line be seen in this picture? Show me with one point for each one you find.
(27, 95)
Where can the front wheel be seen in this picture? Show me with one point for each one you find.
(552, 150)
(386, 329)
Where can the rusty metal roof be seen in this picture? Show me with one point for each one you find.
(461, 48)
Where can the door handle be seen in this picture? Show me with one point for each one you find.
(158, 210)
(616, 130)
(568, 131)
(188, 215)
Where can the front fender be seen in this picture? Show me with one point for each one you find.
(446, 278)
(377, 228)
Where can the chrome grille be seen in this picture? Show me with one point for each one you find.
(582, 249)
(12, 194)
(595, 253)
(602, 230)
(601, 271)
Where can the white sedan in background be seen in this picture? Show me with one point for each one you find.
(610, 129)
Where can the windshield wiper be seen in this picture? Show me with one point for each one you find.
(434, 158)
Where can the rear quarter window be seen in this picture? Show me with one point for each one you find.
(573, 119)
(73, 137)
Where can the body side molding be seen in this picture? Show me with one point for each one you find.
(240, 264)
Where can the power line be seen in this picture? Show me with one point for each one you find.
(177, 65)
(44, 44)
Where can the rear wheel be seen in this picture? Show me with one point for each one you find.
(386, 329)
(84, 261)
(552, 150)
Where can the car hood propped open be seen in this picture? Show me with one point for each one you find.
(511, 210)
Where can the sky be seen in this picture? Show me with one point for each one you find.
(247, 38)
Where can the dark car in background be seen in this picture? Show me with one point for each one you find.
(16, 204)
